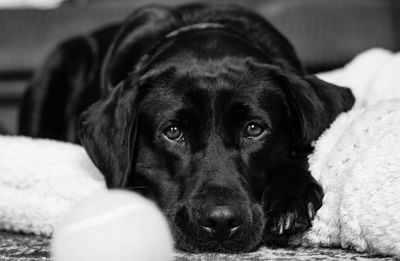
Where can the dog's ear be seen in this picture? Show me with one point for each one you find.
(313, 104)
(140, 32)
(107, 130)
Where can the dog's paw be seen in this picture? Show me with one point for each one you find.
(290, 206)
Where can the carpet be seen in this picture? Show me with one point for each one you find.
(20, 247)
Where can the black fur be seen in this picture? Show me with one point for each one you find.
(160, 74)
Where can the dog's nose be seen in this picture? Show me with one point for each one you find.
(220, 221)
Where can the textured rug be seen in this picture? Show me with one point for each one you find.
(19, 247)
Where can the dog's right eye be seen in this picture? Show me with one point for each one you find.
(174, 133)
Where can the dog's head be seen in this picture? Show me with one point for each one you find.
(198, 126)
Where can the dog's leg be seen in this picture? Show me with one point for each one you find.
(290, 201)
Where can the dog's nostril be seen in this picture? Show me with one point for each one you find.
(220, 221)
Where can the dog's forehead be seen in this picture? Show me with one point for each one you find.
(186, 69)
(206, 86)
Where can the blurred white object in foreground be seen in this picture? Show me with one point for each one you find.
(113, 225)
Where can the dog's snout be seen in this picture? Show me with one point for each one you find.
(220, 221)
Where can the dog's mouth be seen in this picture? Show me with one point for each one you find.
(207, 222)
(192, 236)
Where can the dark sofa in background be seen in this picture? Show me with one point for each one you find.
(326, 34)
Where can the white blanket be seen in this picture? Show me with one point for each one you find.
(357, 161)
(40, 180)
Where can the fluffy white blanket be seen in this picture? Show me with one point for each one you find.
(40, 180)
(357, 161)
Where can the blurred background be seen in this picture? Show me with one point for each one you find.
(325, 33)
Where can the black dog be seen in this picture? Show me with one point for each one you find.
(206, 110)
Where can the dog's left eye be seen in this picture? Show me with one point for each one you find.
(173, 132)
(254, 130)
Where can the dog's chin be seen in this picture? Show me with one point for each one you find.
(189, 238)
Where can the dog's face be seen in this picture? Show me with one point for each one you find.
(200, 127)
(209, 131)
